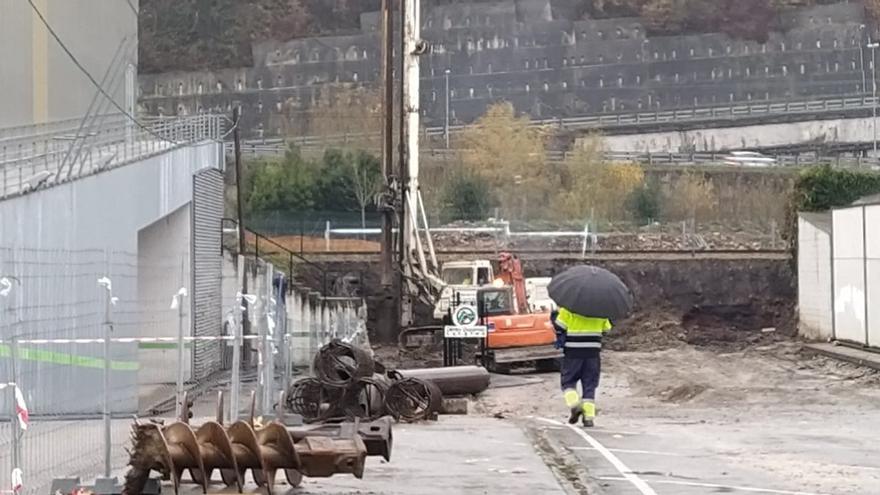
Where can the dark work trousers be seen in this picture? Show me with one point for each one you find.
(581, 369)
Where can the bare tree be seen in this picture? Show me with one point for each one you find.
(366, 182)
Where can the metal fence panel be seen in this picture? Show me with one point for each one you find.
(206, 300)
(56, 295)
(872, 272)
(849, 275)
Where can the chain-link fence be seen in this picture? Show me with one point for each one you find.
(90, 338)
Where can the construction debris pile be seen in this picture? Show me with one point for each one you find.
(350, 384)
(264, 449)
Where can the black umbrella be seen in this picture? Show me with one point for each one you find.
(591, 291)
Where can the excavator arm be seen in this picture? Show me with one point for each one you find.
(511, 273)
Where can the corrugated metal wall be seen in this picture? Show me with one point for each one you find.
(207, 212)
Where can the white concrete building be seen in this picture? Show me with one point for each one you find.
(839, 274)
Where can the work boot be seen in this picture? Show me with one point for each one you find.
(576, 413)
(587, 422)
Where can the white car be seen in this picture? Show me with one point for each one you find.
(749, 159)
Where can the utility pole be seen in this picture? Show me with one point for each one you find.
(387, 278)
(873, 46)
(236, 116)
(403, 261)
(446, 122)
(862, 58)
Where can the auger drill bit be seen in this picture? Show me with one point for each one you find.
(177, 447)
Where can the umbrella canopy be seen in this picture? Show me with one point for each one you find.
(591, 291)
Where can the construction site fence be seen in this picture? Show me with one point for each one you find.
(688, 235)
(91, 338)
(709, 159)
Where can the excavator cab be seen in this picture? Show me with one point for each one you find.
(495, 301)
(514, 338)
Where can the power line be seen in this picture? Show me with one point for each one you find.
(91, 78)
(133, 8)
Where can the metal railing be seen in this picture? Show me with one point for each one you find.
(711, 159)
(53, 153)
(797, 108)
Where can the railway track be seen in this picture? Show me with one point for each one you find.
(563, 254)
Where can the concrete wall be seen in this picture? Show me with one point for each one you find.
(163, 268)
(106, 209)
(40, 82)
(708, 139)
(547, 66)
(133, 222)
(814, 276)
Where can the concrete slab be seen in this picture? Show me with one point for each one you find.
(846, 353)
(456, 455)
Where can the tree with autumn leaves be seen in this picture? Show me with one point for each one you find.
(508, 153)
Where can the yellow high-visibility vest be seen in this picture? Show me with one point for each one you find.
(582, 332)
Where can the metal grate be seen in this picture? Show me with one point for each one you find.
(207, 297)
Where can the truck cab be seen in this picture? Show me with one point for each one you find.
(462, 278)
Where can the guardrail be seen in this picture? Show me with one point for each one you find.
(636, 119)
(279, 147)
(46, 154)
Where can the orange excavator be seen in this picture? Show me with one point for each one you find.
(515, 335)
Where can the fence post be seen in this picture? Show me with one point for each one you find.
(235, 380)
(268, 341)
(327, 237)
(586, 236)
(13, 418)
(180, 348)
(287, 338)
(108, 331)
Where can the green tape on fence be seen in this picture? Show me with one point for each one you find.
(64, 359)
(162, 345)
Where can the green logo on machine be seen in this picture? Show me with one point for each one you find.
(464, 316)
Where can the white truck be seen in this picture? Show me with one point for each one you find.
(462, 278)
(465, 277)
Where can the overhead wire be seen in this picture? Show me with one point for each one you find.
(91, 78)
(132, 7)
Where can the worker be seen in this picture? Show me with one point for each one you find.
(580, 337)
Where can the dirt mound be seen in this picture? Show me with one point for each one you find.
(722, 327)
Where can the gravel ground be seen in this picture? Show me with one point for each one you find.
(768, 415)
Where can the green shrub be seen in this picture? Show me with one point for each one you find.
(466, 196)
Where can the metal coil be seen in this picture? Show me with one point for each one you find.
(313, 400)
(366, 399)
(339, 364)
(412, 399)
